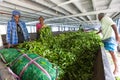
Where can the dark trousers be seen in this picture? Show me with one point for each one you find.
(38, 35)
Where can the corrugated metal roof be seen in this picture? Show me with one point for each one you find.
(59, 11)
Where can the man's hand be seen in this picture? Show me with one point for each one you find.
(99, 31)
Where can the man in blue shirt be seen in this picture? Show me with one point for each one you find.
(16, 30)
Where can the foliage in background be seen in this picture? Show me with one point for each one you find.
(45, 35)
(72, 53)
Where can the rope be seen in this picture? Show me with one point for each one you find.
(14, 75)
(27, 65)
(40, 67)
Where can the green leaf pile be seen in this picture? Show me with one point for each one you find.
(73, 53)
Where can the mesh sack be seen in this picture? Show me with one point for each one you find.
(25, 65)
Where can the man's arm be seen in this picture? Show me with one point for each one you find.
(99, 31)
(116, 32)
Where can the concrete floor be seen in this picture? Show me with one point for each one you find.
(4, 73)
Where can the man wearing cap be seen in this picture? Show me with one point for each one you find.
(16, 30)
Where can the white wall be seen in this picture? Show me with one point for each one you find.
(3, 29)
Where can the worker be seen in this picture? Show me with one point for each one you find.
(39, 26)
(16, 30)
(108, 28)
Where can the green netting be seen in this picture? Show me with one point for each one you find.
(9, 54)
(32, 72)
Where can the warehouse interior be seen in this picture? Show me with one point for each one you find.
(61, 16)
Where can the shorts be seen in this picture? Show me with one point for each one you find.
(110, 44)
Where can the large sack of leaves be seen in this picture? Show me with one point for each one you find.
(28, 66)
